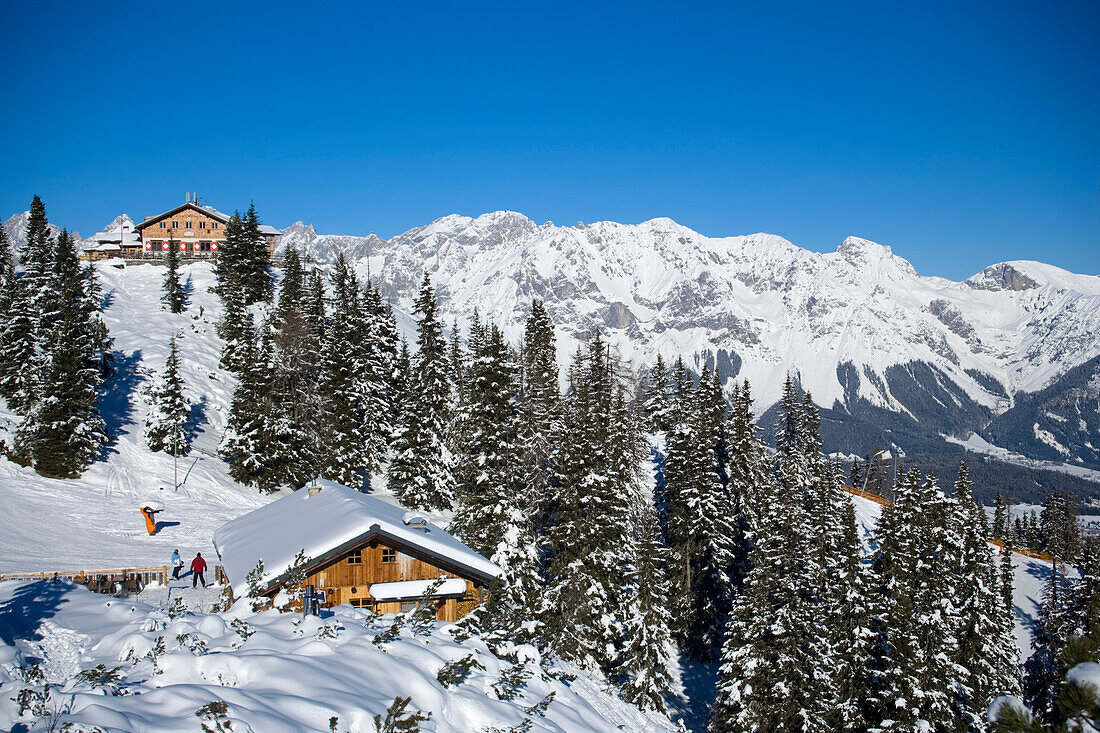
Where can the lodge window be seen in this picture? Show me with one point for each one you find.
(355, 558)
(175, 225)
(407, 606)
(188, 223)
(389, 555)
(164, 225)
(204, 246)
(215, 225)
(360, 602)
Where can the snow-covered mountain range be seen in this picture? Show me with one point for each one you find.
(891, 355)
(886, 350)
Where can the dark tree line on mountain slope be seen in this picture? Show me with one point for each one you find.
(54, 351)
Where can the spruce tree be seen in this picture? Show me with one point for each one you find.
(173, 289)
(1000, 518)
(65, 431)
(986, 655)
(237, 330)
(20, 377)
(656, 400)
(377, 357)
(488, 444)
(247, 440)
(166, 424)
(255, 275)
(648, 648)
(588, 538)
(39, 259)
(293, 405)
(540, 412)
(420, 473)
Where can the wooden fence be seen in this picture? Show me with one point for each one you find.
(868, 495)
(111, 582)
(1026, 552)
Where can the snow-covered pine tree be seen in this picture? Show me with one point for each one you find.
(986, 658)
(648, 649)
(767, 679)
(173, 289)
(65, 431)
(488, 443)
(895, 673)
(39, 261)
(540, 412)
(1058, 531)
(851, 637)
(750, 486)
(237, 329)
(166, 423)
(227, 265)
(247, 442)
(20, 366)
(655, 396)
(588, 539)
(420, 473)
(294, 399)
(715, 527)
(7, 295)
(375, 379)
(999, 531)
(255, 275)
(343, 456)
(1044, 677)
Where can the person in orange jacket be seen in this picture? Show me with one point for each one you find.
(198, 567)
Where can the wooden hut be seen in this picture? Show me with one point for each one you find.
(361, 550)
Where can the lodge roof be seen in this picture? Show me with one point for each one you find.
(200, 208)
(333, 520)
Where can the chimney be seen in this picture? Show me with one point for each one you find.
(314, 489)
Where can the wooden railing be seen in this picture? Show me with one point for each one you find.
(101, 579)
(868, 495)
(1025, 551)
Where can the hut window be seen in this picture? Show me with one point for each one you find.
(389, 555)
(355, 558)
(202, 225)
(215, 225)
(360, 602)
(407, 606)
(164, 225)
(188, 223)
(175, 225)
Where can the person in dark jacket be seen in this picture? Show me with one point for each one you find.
(198, 567)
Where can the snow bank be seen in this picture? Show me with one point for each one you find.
(405, 589)
(276, 672)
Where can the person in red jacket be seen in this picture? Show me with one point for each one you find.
(198, 567)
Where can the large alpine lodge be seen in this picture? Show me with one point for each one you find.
(196, 229)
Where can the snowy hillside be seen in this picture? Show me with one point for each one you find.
(861, 329)
(277, 672)
(94, 521)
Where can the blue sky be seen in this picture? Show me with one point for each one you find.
(959, 133)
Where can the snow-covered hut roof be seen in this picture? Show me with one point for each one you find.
(325, 519)
(268, 229)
